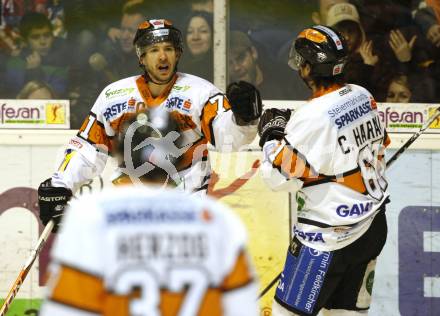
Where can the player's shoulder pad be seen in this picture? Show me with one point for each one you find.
(195, 84)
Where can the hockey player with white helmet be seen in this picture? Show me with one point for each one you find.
(330, 152)
(203, 114)
(149, 249)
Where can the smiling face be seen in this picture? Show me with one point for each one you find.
(199, 36)
(160, 60)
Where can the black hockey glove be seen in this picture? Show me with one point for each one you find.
(245, 101)
(52, 202)
(272, 124)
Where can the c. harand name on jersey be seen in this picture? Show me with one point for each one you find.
(156, 246)
(363, 133)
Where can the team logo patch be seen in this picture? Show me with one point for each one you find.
(337, 69)
(114, 110)
(321, 56)
(180, 104)
(131, 102)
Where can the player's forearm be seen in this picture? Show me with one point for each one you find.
(80, 164)
(272, 175)
(229, 135)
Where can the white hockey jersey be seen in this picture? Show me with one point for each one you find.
(332, 156)
(202, 112)
(143, 251)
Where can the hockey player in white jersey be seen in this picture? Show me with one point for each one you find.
(203, 113)
(330, 152)
(150, 250)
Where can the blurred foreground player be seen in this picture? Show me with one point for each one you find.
(150, 250)
(329, 152)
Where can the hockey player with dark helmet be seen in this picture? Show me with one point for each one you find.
(333, 135)
(153, 32)
(319, 54)
(204, 115)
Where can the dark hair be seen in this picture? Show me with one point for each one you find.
(204, 15)
(31, 21)
(326, 82)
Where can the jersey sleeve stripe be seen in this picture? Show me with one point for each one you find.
(67, 159)
(240, 275)
(292, 164)
(209, 112)
(351, 179)
(197, 152)
(78, 289)
(96, 135)
(83, 291)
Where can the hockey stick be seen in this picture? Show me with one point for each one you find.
(390, 161)
(26, 268)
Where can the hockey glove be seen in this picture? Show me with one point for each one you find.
(52, 202)
(245, 101)
(272, 124)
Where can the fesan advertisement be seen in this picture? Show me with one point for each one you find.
(41, 114)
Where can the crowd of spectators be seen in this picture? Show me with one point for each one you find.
(73, 49)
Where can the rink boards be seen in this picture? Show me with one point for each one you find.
(407, 280)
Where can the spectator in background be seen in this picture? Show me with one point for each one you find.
(115, 60)
(399, 90)
(318, 16)
(198, 59)
(414, 87)
(273, 80)
(107, 62)
(36, 90)
(43, 58)
(323, 6)
(362, 65)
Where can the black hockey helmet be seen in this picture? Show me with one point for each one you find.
(156, 31)
(323, 48)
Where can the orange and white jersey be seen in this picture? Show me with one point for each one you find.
(332, 157)
(202, 113)
(143, 251)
